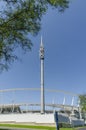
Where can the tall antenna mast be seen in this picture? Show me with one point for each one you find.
(41, 53)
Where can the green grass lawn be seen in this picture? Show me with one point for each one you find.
(34, 127)
(49, 129)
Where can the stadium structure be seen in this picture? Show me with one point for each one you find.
(26, 110)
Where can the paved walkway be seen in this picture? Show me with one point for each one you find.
(82, 129)
(4, 128)
(9, 128)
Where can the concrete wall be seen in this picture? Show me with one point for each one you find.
(39, 118)
(32, 118)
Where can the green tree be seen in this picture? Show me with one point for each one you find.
(82, 103)
(18, 20)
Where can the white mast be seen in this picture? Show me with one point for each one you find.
(64, 101)
(41, 53)
(72, 103)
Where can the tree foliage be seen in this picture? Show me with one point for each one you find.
(82, 99)
(18, 20)
(82, 103)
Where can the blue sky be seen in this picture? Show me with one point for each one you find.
(64, 38)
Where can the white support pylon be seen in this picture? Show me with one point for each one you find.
(72, 103)
(64, 101)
